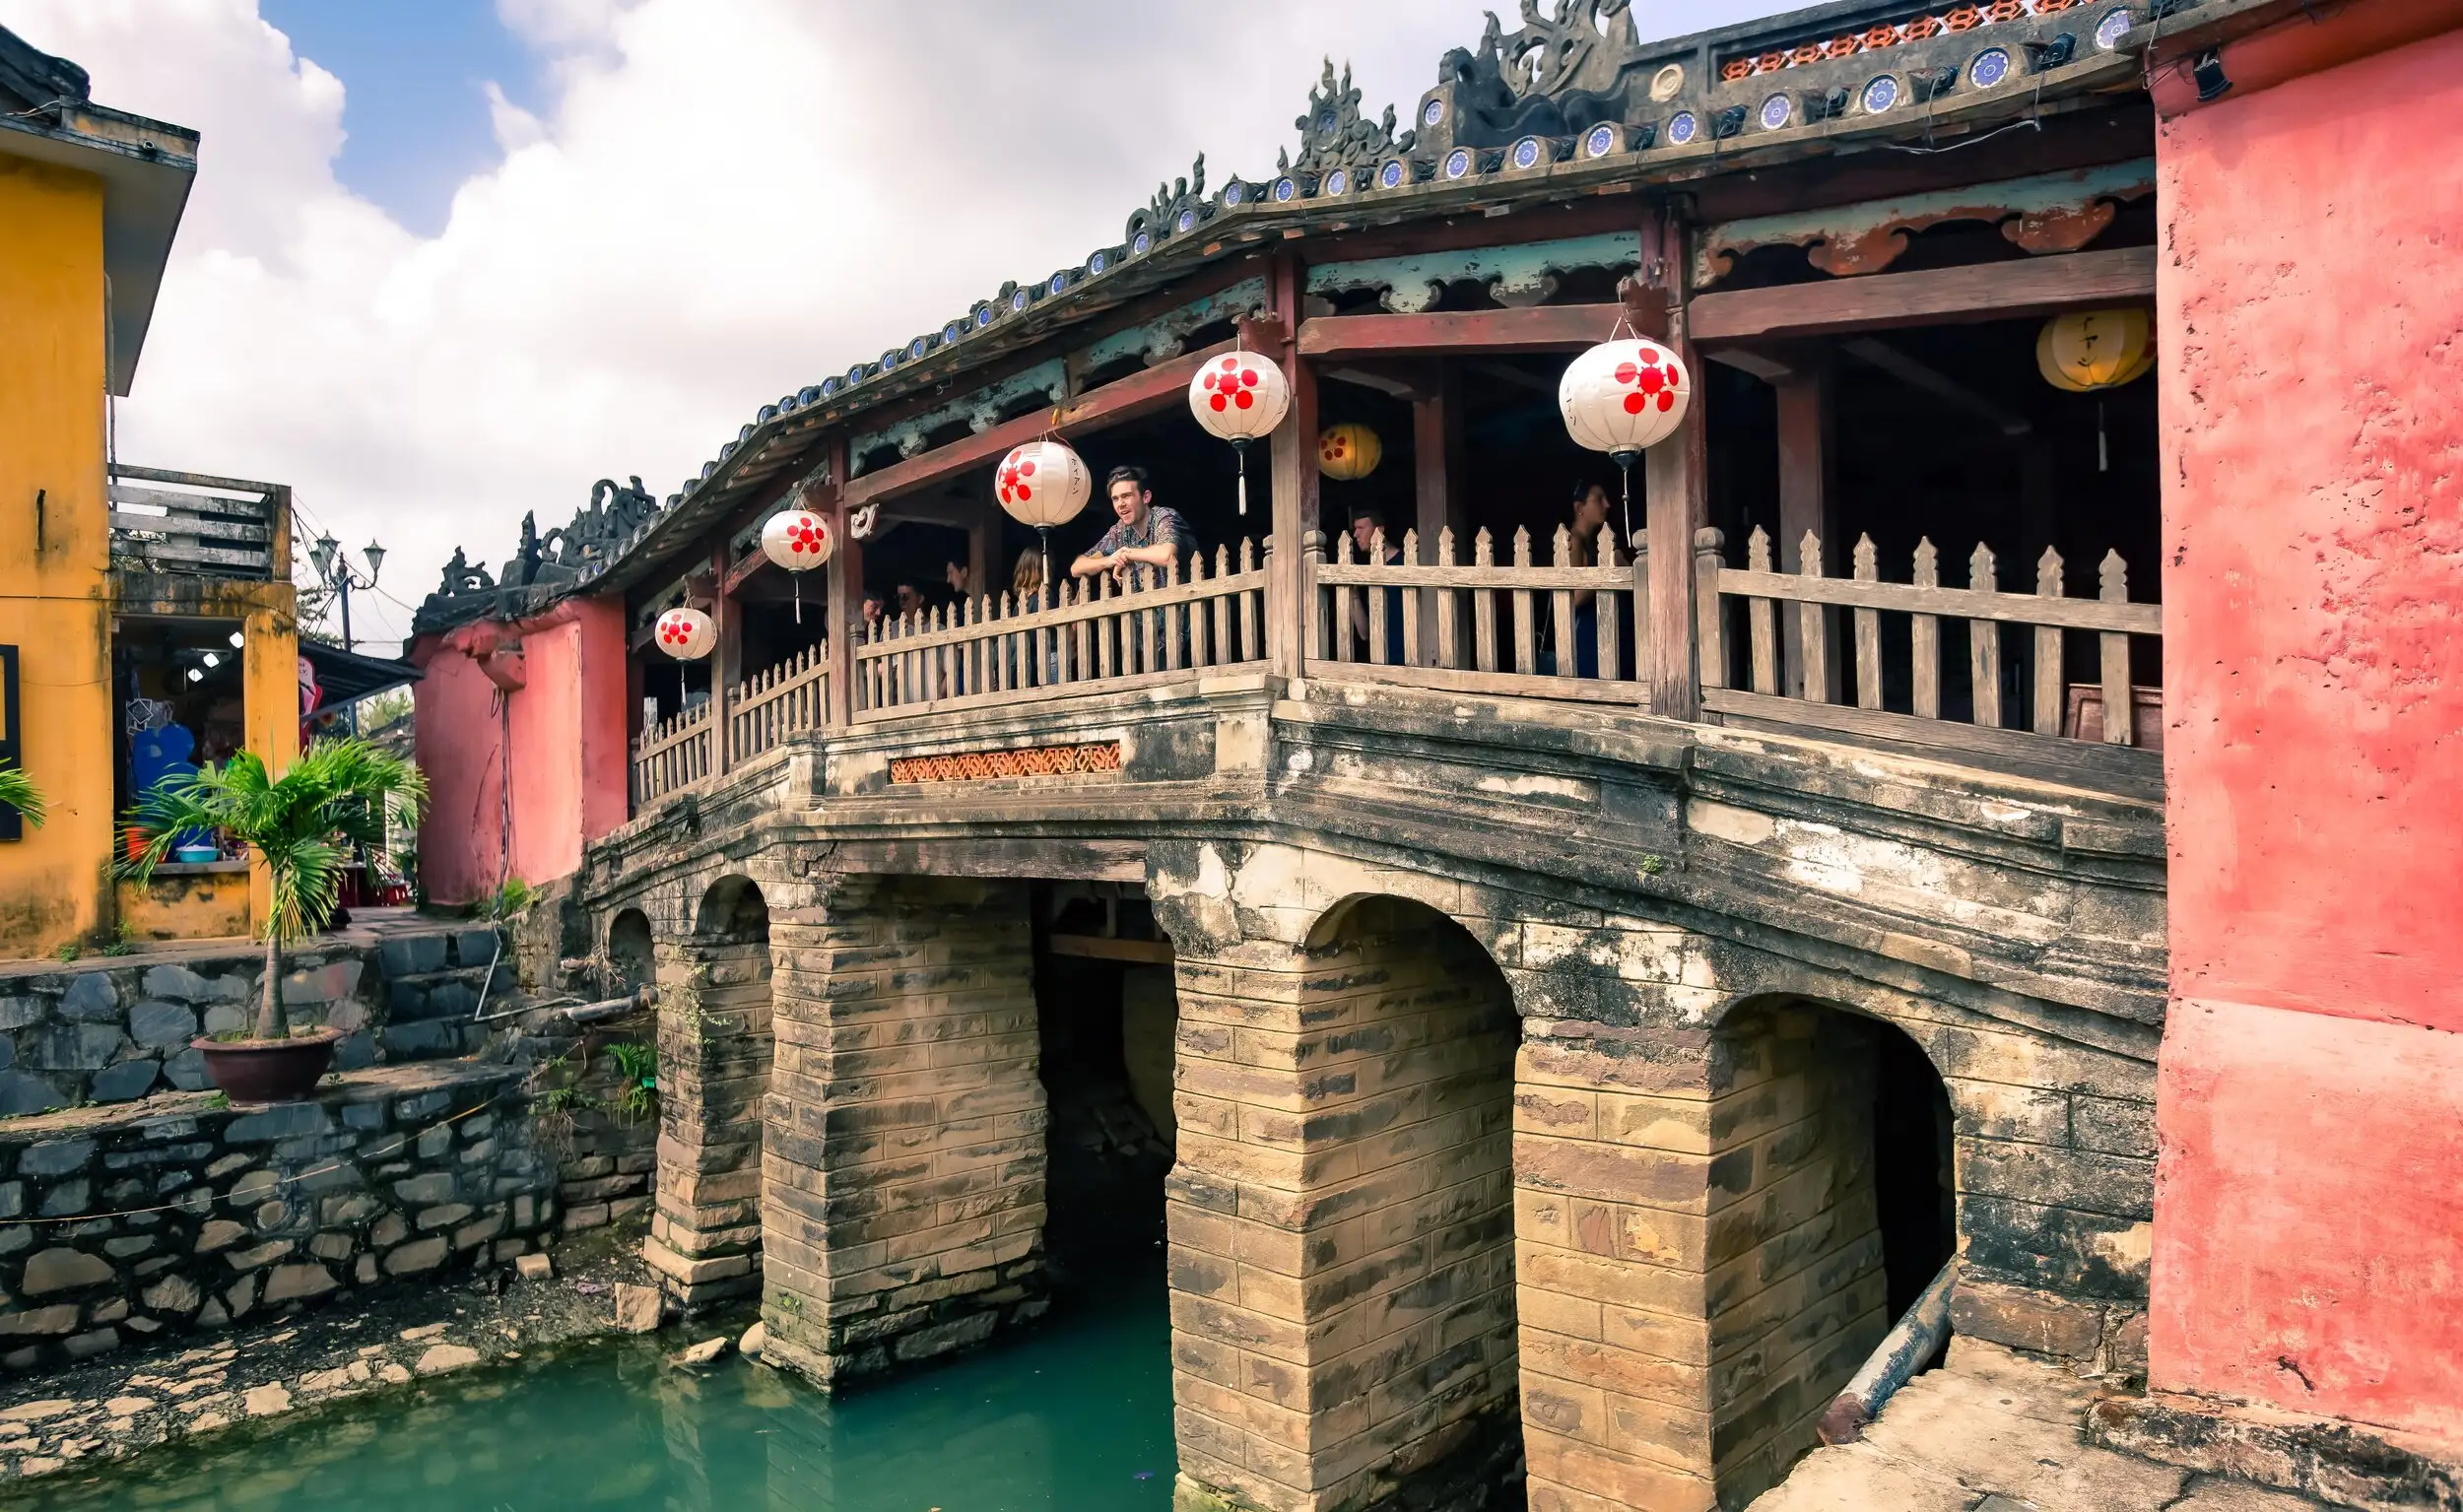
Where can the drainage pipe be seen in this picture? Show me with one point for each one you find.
(1916, 1339)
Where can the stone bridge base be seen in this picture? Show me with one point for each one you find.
(1466, 1177)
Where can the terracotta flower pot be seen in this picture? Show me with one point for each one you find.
(269, 1069)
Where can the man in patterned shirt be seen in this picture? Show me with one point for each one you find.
(1147, 537)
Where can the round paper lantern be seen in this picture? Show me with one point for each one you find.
(1238, 397)
(1348, 452)
(2088, 350)
(1043, 483)
(1623, 397)
(685, 635)
(799, 541)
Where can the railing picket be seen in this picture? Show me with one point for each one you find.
(1761, 617)
(1924, 637)
(2119, 712)
(1448, 609)
(1560, 636)
(1810, 625)
(1484, 605)
(1709, 625)
(1984, 643)
(1868, 626)
(1412, 655)
(1525, 643)
(1376, 601)
(2048, 671)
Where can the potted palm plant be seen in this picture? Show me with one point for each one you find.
(302, 825)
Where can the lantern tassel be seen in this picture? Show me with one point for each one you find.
(799, 598)
(1625, 468)
(2103, 448)
(1044, 532)
(1240, 448)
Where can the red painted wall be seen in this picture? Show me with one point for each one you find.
(564, 715)
(2309, 1217)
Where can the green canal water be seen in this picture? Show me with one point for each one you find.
(1075, 1414)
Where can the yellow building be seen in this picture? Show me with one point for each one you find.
(131, 601)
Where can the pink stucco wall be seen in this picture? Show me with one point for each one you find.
(558, 692)
(2309, 1214)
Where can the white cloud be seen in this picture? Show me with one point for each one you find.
(726, 200)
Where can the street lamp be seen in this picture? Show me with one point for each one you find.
(334, 571)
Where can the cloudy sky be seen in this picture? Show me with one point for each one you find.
(448, 260)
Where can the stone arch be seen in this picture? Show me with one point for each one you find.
(1829, 1212)
(631, 952)
(715, 1054)
(1342, 1215)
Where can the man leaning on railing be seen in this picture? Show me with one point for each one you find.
(1147, 535)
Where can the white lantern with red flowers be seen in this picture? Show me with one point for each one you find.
(1239, 397)
(799, 541)
(1623, 397)
(686, 636)
(1044, 484)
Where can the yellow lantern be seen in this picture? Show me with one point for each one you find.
(1349, 452)
(2089, 349)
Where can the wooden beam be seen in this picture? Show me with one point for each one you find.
(1141, 393)
(1543, 328)
(2002, 290)
(1151, 953)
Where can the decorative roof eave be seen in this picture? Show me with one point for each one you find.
(1247, 216)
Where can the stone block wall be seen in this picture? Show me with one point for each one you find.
(714, 1039)
(179, 1215)
(114, 1029)
(1796, 1291)
(903, 1160)
(1614, 1152)
(1341, 1219)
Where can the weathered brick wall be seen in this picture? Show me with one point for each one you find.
(1796, 1292)
(1341, 1218)
(715, 1048)
(179, 1215)
(902, 1165)
(1614, 1149)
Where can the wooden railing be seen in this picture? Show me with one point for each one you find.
(673, 753)
(2024, 678)
(1559, 631)
(193, 524)
(784, 700)
(1790, 672)
(1092, 636)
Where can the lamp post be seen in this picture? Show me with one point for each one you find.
(334, 571)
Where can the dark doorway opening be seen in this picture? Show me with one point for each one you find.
(1915, 1193)
(1107, 1018)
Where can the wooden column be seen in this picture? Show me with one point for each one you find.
(724, 657)
(846, 608)
(1294, 478)
(984, 555)
(1438, 476)
(1807, 451)
(1676, 475)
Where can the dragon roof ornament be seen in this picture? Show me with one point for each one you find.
(1334, 134)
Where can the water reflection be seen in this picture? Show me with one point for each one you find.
(1076, 1415)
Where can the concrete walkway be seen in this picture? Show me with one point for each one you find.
(1992, 1432)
